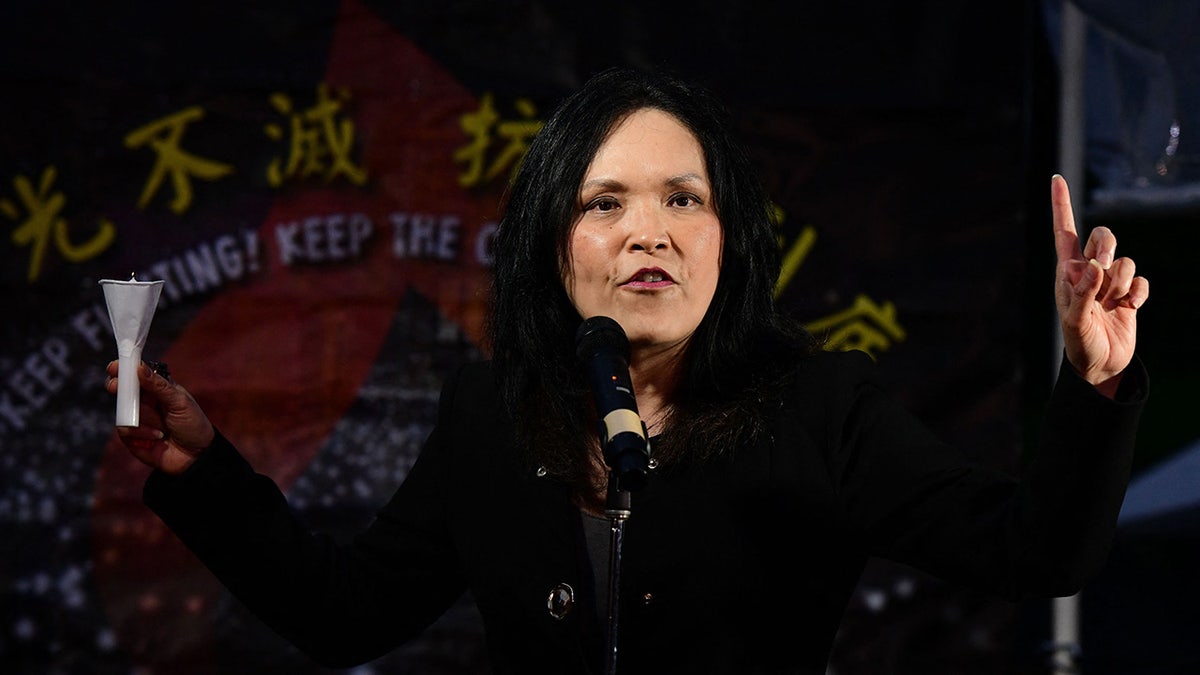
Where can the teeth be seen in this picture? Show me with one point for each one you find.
(652, 277)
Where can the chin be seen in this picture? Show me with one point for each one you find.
(651, 331)
(656, 338)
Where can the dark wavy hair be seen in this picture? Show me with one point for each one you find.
(743, 343)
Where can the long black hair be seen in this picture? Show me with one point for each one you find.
(742, 344)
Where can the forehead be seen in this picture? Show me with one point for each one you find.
(647, 117)
(649, 134)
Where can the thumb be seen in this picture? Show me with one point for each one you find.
(1086, 289)
(185, 421)
(157, 384)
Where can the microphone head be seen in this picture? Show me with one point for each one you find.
(603, 350)
(600, 333)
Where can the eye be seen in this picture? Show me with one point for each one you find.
(602, 204)
(684, 199)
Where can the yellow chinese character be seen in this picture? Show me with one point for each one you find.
(163, 137)
(44, 208)
(518, 133)
(795, 255)
(319, 144)
(866, 326)
(478, 126)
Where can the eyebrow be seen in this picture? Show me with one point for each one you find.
(609, 184)
(684, 178)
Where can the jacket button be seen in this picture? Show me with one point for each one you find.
(561, 600)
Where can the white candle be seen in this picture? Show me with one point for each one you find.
(131, 306)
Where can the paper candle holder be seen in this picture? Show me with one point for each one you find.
(131, 306)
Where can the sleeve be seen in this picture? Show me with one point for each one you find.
(1043, 533)
(342, 604)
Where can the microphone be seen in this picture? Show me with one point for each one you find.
(603, 350)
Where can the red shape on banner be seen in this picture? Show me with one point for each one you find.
(277, 362)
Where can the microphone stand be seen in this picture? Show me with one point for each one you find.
(618, 510)
(601, 344)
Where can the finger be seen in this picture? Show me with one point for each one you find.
(1120, 278)
(1101, 245)
(1084, 291)
(143, 442)
(172, 397)
(1139, 293)
(148, 452)
(139, 433)
(112, 370)
(1066, 239)
(153, 380)
(1126, 289)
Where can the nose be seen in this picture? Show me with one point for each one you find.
(648, 231)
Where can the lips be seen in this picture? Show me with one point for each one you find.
(649, 277)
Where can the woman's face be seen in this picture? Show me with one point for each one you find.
(645, 248)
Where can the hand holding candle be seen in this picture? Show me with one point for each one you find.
(131, 306)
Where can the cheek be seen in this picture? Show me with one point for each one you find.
(710, 258)
(587, 259)
(580, 274)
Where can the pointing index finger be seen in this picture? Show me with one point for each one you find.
(1066, 239)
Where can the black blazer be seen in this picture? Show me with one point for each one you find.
(740, 565)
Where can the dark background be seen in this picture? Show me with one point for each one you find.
(915, 140)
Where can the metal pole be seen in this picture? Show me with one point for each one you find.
(618, 510)
(1066, 647)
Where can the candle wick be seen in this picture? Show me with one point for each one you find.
(133, 276)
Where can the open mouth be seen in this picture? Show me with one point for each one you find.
(649, 276)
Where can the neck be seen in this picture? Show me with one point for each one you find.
(655, 375)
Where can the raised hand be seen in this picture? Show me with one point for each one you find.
(1098, 296)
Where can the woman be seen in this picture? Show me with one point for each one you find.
(779, 468)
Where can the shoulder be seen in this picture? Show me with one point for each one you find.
(470, 389)
(471, 419)
(837, 363)
(830, 372)
(475, 374)
(470, 381)
(825, 387)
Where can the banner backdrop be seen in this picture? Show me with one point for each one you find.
(317, 184)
